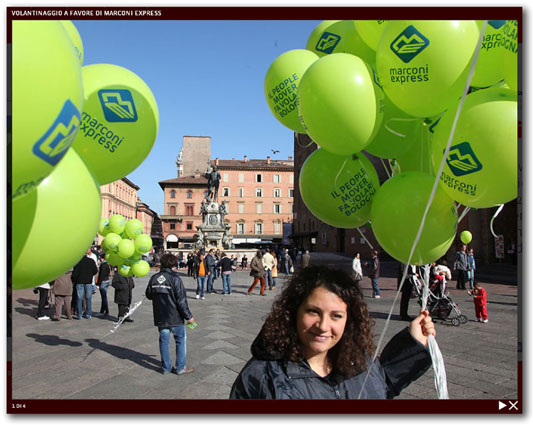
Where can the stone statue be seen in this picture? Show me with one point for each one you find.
(200, 241)
(223, 211)
(213, 180)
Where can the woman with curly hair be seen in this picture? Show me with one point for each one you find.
(317, 344)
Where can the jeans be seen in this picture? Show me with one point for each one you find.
(43, 298)
(200, 282)
(210, 279)
(81, 289)
(375, 287)
(268, 278)
(104, 309)
(470, 275)
(226, 283)
(181, 348)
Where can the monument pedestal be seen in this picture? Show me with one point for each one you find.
(213, 232)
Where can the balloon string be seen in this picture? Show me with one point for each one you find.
(398, 119)
(500, 208)
(340, 171)
(463, 214)
(303, 146)
(364, 237)
(385, 167)
(432, 195)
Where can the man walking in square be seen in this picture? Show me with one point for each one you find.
(170, 308)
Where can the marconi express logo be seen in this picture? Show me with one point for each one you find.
(409, 44)
(118, 105)
(327, 42)
(53, 145)
(462, 160)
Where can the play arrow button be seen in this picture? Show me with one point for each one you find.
(501, 405)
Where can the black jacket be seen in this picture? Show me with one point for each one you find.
(123, 289)
(105, 272)
(267, 376)
(169, 299)
(84, 271)
(225, 264)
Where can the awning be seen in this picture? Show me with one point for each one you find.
(172, 238)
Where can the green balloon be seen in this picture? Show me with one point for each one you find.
(117, 223)
(418, 156)
(481, 167)
(423, 65)
(340, 103)
(466, 237)
(281, 86)
(104, 228)
(396, 214)
(135, 257)
(75, 38)
(339, 37)
(509, 46)
(370, 32)
(133, 228)
(126, 248)
(119, 121)
(114, 259)
(488, 66)
(140, 268)
(125, 270)
(47, 101)
(396, 134)
(143, 243)
(43, 246)
(338, 190)
(111, 241)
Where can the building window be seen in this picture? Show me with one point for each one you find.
(324, 238)
(172, 226)
(172, 210)
(291, 210)
(189, 209)
(225, 191)
(240, 228)
(291, 178)
(277, 193)
(291, 193)
(172, 193)
(258, 178)
(258, 192)
(258, 228)
(277, 178)
(277, 227)
(225, 177)
(241, 178)
(241, 192)
(189, 194)
(189, 225)
(259, 208)
(277, 208)
(241, 207)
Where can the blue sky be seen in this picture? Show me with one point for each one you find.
(207, 78)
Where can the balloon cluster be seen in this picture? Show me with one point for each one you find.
(74, 129)
(124, 243)
(392, 89)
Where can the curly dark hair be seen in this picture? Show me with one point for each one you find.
(350, 355)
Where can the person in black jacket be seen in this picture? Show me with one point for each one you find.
(123, 295)
(104, 277)
(82, 277)
(317, 344)
(169, 302)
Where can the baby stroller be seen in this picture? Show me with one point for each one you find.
(439, 303)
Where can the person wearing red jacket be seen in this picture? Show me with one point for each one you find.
(480, 303)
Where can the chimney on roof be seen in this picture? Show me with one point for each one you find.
(290, 158)
(268, 160)
(216, 161)
(245, 158)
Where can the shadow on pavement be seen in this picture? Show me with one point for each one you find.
(54, 340)
(141, 359)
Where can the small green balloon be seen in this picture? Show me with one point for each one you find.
(396, 214)
(140, 268)
(103, 228)
(47, 101)
(117, 223)
(125, 270)
(75, 37)
(340, 103)
(466, 237)
(112, 241)
(126, 248)
(135, 257)
(120, 121)
(114, 259)
(370, 31)
(134, 227)
(339, 37)
(44, 247)
(481, 167)
(338, 190)
(488, 66)
(281, 86)
(423, 65)
(510, 53)
(143, 243)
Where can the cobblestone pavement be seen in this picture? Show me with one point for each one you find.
(83, 360)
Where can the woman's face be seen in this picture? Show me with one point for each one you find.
(321, 319)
